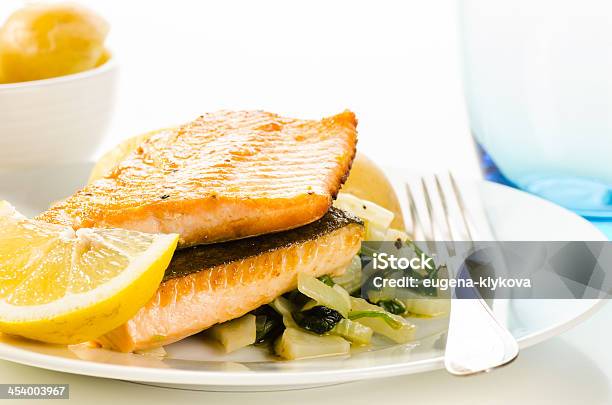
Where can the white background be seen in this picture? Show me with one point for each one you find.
(396, 64)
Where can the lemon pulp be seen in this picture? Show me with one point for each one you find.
(63, 286)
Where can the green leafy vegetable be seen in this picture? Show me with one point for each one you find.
(395, 324)
(268, 324)
(353, 331)
(284, 307)
(327, 280)
(319, 319)
(394, 306)
(391, 326)
(297, 298)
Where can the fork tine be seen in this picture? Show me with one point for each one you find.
(461, 205)
(429, 206)
(418, 220)
(444, 206)
(444, 245)
(414, 218)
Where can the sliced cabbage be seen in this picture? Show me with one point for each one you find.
(159, 352)
(284, 307)
(399, 330)
(309, 305)
(428, 306)
(235, 334)
(353, 331)
(393, 235)
(372, 213)
(295, 344)
(324, 294)
(375, 232)
(350, 280)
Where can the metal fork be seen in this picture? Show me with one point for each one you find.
(476, 341)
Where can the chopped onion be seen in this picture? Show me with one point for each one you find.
(401, 331)
(372, 213)
(295, 344)
(235, 334)
(353, 331)
(324, 294)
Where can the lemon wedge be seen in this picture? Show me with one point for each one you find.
(63, 286)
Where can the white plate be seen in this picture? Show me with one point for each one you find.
(192, 364)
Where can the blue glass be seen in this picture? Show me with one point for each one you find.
(539, 97)
(588, 197)
(489, 169)
(491, 172)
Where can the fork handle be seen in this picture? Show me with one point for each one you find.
(476, 341)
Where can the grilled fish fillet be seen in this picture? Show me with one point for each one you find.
(224, 176)
(210, 284)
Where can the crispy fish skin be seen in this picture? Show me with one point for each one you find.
(210, 284)
(224, 176)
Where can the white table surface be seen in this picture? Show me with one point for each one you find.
(395, 63)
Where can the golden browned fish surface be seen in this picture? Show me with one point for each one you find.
(224, 176)
(209, 284)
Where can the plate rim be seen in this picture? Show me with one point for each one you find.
(258, 378)
(249, 379)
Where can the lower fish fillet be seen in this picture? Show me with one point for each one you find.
(210, 284)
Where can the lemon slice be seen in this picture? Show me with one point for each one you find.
(63, 286)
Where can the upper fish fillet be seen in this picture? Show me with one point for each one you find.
(224, 176)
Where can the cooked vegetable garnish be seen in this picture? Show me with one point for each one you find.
(296, 298)
(353, 331)
(393, 235)
(235, 334)
(295, 344)
(324, 294)
(318, 319)
(376, 318)
(351, 279)
(428, 306)
(285, 308)
(404, 334)
(359, 304)
(268, 323)
(309, 304)
(374, 232)
(158, 352)
(345, 295)
(360, 308)
(394, 306)
(368, 211)
(383, 294)
(395, 324)
(327, 280)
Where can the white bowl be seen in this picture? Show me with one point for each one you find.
(58, 120)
